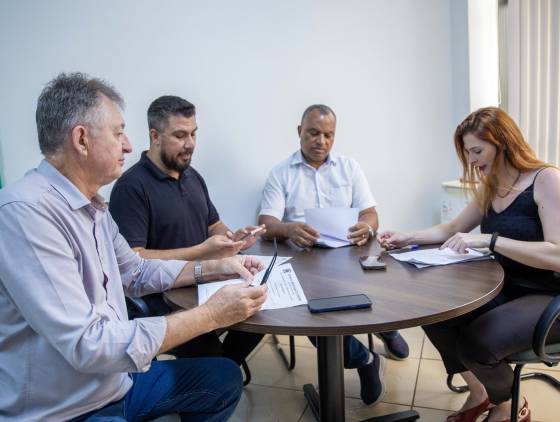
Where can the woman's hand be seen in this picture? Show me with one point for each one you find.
(393, 240)
(459, 242)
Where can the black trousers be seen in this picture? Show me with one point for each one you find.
(480, 340)
(237, 345)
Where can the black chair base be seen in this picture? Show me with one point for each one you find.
(542, 377)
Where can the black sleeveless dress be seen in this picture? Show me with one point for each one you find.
(520, 221)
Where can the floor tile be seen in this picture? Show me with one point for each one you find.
(431, 388)
(259, 403)
(399, 378)
(429, 351)
(357, 411)
(544, 400)
(432, 415)
(542, 366)
(267, 368)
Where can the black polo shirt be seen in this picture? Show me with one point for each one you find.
(156, 211)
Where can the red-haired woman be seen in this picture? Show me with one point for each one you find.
(517, 205)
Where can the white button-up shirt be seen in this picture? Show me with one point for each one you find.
(66, 344)
(294, 185)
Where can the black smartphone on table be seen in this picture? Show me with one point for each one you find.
(339, 303)
(373, 262)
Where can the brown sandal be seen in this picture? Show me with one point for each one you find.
(470, 415)
(524, 414)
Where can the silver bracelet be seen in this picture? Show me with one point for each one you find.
(198, 273)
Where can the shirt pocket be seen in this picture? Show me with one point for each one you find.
(341, 195)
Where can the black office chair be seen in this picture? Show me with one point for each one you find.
(549, 354)
(291, 363)
(137, 308)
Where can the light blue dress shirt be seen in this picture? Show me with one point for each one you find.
(293, 186)
(66, 344)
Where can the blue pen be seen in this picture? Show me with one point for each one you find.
(404, 248)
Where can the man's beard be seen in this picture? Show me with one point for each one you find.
(172, 163)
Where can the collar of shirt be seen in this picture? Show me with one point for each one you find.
(67, 189)
(297, 159)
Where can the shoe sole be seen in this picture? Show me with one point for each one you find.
(381, 380)
(387, 351)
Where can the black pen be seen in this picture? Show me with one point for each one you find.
(271, 265)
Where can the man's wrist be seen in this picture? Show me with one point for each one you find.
(208, 316)
(197, 272)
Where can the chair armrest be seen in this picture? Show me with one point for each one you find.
(137, 308)
(548, 317)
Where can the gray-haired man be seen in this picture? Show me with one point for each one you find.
(68, 349)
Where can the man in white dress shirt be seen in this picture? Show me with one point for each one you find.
(315, 177)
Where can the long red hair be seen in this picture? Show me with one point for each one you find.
(492, 124)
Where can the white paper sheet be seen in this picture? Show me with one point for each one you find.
(284, 289)
(428, 257)
(332, 224)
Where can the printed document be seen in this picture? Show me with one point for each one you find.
(428, 257)
(332, 224)
(284, 289)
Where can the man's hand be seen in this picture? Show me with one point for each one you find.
(393, 240)
(219, 246)
(358, 234)
(235, 303)
(301, 234)
(459, 242)
(245, 235)
(245, 266)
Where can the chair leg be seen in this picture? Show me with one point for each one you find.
(370, 342)
(543, 377)
(247, 372)
(290, 363)
(455, 389)
(515, 391)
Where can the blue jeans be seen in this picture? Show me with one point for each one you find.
(203, 389)
(356, 354)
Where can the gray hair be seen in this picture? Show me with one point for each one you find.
(321, 108)
(67, 101)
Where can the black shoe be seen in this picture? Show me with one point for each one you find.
(372, 388)
(395, 345)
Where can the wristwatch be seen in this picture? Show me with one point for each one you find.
(198, 273)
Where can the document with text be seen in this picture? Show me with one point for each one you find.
(284, 288)
(429, 257)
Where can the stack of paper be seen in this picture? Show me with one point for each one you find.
(284, 289)
(332, 224)
(427, 257)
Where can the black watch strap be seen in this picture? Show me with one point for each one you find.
(493, 241)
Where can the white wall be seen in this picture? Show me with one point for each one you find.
(394, 71)
(483, 53)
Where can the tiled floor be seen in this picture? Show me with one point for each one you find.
(275, 394)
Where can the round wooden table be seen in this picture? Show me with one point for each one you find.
(402, 295)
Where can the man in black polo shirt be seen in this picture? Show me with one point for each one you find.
(163, 209)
